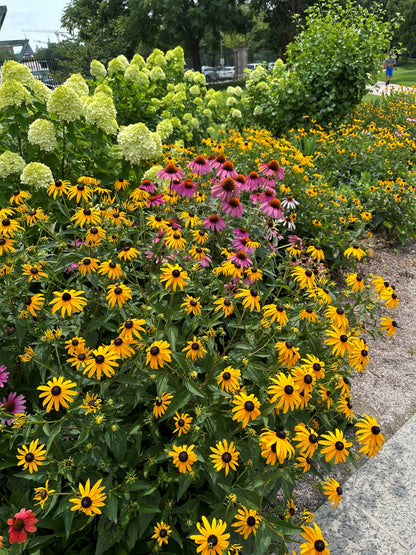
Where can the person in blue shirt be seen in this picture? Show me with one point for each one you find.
(389, 64)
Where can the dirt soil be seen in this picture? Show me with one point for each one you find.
(387, 389)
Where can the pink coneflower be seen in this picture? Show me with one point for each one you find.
(13, 404)
(289, 202)
(267, 195)
(241, 258)
(147, 186)
(22, 522)
(244, 244)
(253, 181)
(255, 198)
(272, 169)
(224, 189)
(3, 375)
(171, 172)
(226, 170)
(240, 181)
(217, 162)
(272, 208)
(296, 241)
(233, 207)
(187, 188)
(175, 186)
(200, 165)
(214, 223)
(155, 200)
(71, 269)
(240, 232)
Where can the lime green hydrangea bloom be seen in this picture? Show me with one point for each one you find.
(97, 70)
(138, 61)
(258, 110)
(13, 93)
(103, 88)
(42, 133)
(117, 65)
(99, 110)
(157, 74)
(36, 174)
(78, 84)
(195, 90)
(65, 103)
(11, 163)
(41, 91)
(236, 114)
(199, 78)
(139, 143)
(165, 129)
(156, 58)
(12, 70)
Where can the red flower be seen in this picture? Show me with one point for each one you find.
(22, 522)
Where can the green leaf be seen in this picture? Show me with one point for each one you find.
(112, 508)
(263, 538)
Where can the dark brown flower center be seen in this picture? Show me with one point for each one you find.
(227, 302)
(163, 533)
(29, 457)
(171, 168)
(340, 311)
(86, 502)
(343, 338)
(18, 524)
(118, 341)
(375, 430)
(275, 203)
(288, 390)
(112, 265)
(316, 367)
(8, 406)
(249, 406)
(66, 297)
(5, 222)
(308, 273)
(34, 271)
(234, 202)
(220, 158)
(339, 490)
(118, 291)
(199, 160)
(195, 346)
(99, 359)
(288, 345)
(319, 546)
(273, 165)
(56, 390)
(226, 376)
(339, 446)
(226, 457)
(308, 379)
(154, 351)
(183, 456)
(212, 541)
(313, 438)
(176, 273)
(193, 302)
(43, 494)
(251, 521)
(228, 166)
(281, 434)
(181, 422)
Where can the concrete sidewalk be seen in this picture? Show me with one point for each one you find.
(380, 88)
(376, 515)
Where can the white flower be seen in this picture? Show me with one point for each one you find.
(10, 163)
(12, 70)
(41, 91)
(78, 84)
(134, 74)
(65, 103)
(138, 60)
(156, 58)
(99, 110)
(236, 113)
(103, 88)
(13, 93)
(97, 70)
(157, 74)
(231, 101)
(199, 78)
(258, 110)
(139, 143)
(165, 129)
(117, 65)
(194, 90)
(36, 175)
(42, 133)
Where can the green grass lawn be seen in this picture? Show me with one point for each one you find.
(402, 75)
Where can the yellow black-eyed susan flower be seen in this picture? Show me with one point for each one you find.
(88, 265)
(355, 281)
(340, 339)
(80, 357)
(101, 360)
(91, 403)
(304, 462)
(246, 522)
(369, 435)
(118, 294)
(31, 457)
(184, 457)
(123, 347)
(228, 379)
(314, 364)
(355, 251)
(90, 499)
(358, 357)
(28, 354)
(335, 446)
(86, 216)
(225, 305)
(78, 192)
(343, 384)
(275, 312)
(162, 532)
(68, 301)
(182, 423)
(246, 408)
(224, 456)
(306, 439)
(309, 315)
(58, 188)
(333, 491)
(390, 297)
(6, 245)
(19, 197)
(128, 253)
(337, 316)
(158, 353)
(304, 378)
(192, 305)
(175, 240)
(285, 392)
(275, 446)
(288, 353)
(316, 253)
(94, 236)
(194, 349)
(304, 277)
(388, 325)
(132, 328)
(34, 303)
(253, 274)
(33, 271)
(315, 543)
(320, 295)
(174, 276)
(8, 227)
(344, 407)
(56, 392)
(251, 299)
(379, 284)
(290, 509)
(212, 539)
(42, 494)
(110, 269)
(161, 404)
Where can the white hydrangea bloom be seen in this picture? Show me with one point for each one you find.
(189, 76)
(231, 101)
(212, 104)
(99, 110)
(236, 114)
(258, 110)
(195, 90)
(156, 58)
(138, 60)
(78, 84)
(157, 74)
(207, 113)
(11, 163)
(36, 174)
(42, 133)
(230, 90)
(262, 86)
(103, 88)
(199, 78)
(164, 128)
(41, 91)
(238, 91)
(12, 70)
(136, 75)
(13, 93)
(117, 65)
(65, 103)
(139, 143)
(97, 70)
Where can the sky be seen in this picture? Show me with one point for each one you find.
(32, 14)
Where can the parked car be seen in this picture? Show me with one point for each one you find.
(256, 64)
(210, 73)
(227, 72)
